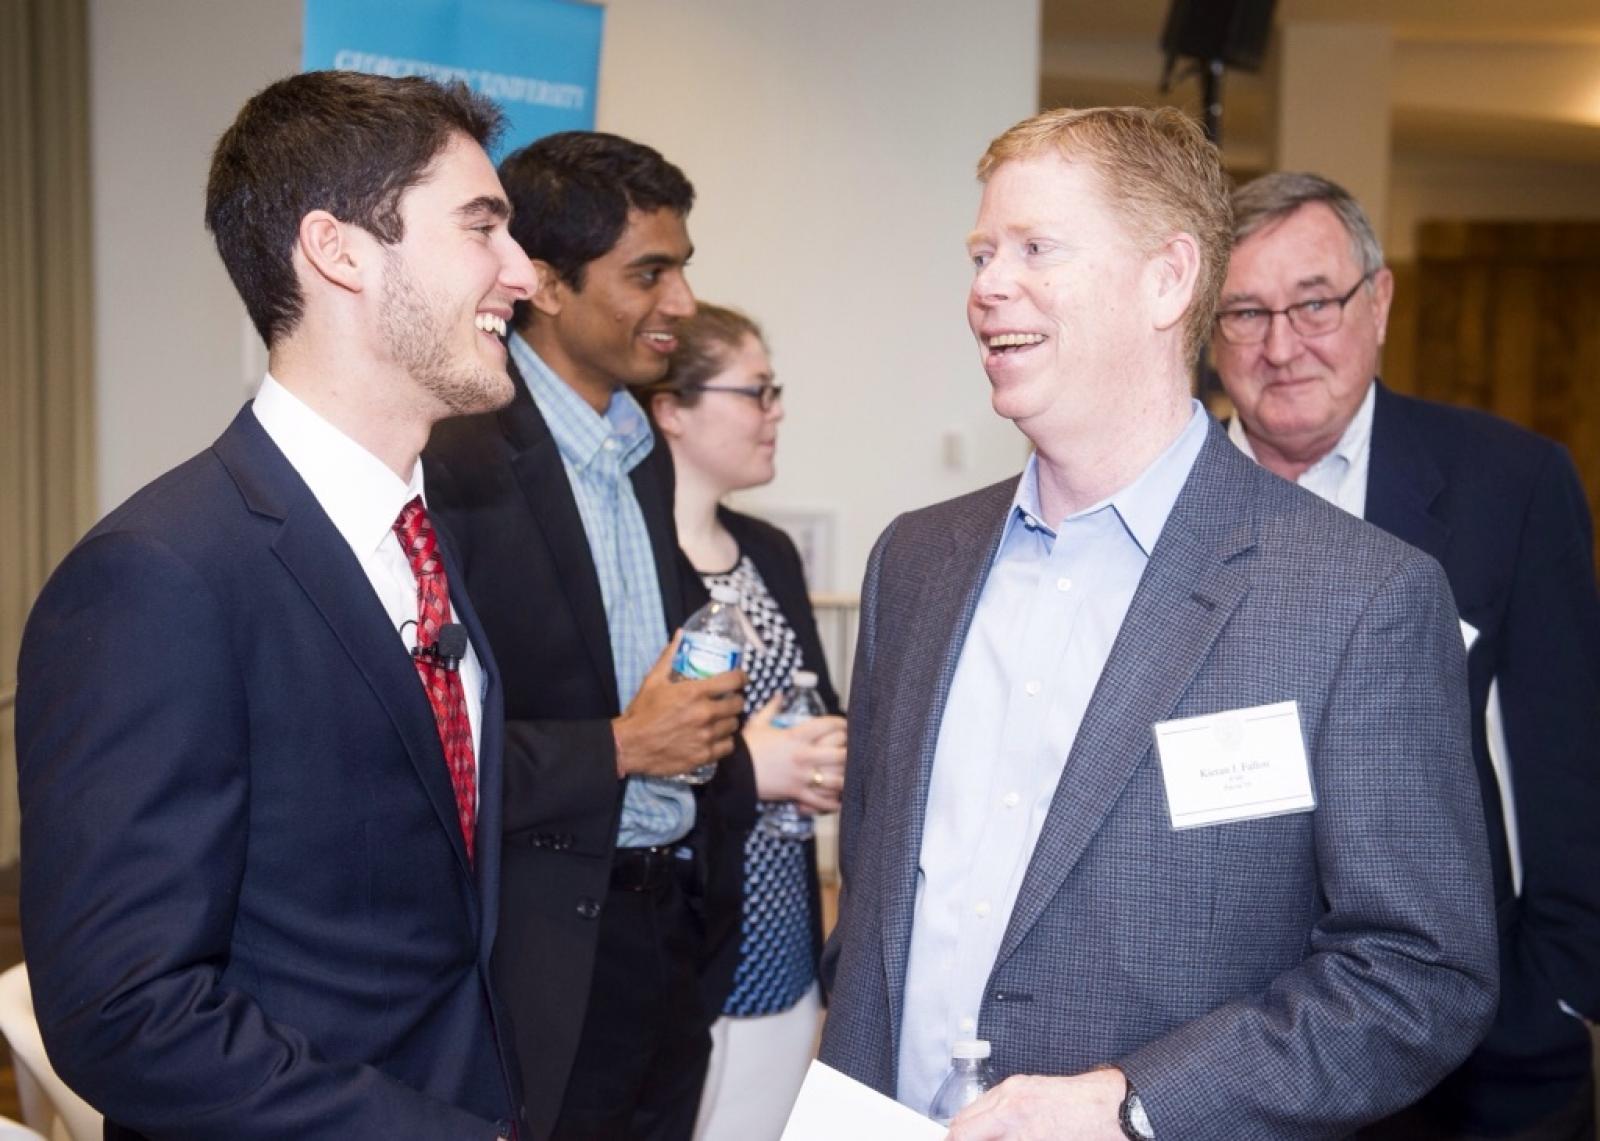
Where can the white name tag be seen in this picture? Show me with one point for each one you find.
(1239, 764)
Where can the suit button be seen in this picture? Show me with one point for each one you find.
(589, 908)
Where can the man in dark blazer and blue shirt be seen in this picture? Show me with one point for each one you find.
(562, 506)
(259, 874)
(1159, 778)
(1503, 511)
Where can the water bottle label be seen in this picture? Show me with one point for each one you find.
(701, 657)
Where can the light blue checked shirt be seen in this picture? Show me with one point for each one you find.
(1051, 607)
(598, 453)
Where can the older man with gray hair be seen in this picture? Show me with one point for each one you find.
(1297, 342)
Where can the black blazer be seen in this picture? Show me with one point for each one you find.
(1503, 511)
(246, 901)
(497, 484)
(775, 556)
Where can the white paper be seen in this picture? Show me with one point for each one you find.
(832, 1107)
(1239, 764)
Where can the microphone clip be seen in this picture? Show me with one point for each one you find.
(447, 650)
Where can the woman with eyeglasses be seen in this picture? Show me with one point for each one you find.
(718, 409)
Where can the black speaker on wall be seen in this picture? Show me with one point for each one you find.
(1232, 31)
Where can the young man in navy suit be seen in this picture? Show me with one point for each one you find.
(259, 761)
(1302, 325)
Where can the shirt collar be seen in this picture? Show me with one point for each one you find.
(355, 488)
(580, 432)
(1143, 505)
(1348, 449)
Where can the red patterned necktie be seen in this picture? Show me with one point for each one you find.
(442, 684)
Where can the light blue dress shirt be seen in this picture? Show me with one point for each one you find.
(1050, 610)
(598, 453)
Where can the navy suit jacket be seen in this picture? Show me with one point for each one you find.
(1504, 513)
(246, 902)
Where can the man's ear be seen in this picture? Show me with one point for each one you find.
(331, 251)
(550, 297)
(1382, 298)
(1174, 270)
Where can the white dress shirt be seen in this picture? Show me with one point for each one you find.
(363, 498)
(1051, 607)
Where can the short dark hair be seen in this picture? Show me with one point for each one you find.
(340, 141)
(571, 192)
(706, 344)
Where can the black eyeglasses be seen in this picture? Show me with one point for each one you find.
(765, 395)
(1314, 318)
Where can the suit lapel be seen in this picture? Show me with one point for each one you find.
(947, 596)
(1184, 600)
(542, 478)
(314, 552)
(491, 732)
(1403, 481)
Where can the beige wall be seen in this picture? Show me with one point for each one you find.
(171, 345)
(1431, 188)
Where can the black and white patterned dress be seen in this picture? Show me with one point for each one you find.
(775, 967)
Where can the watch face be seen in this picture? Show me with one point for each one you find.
(1134, 1120)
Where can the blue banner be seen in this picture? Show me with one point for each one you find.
(538, 59)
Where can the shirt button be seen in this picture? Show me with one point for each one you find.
(982, 910)
(969, 1025)
(1011, 800)
(1032, 689)
(610, 445)
(589, 908)
(1063, 584)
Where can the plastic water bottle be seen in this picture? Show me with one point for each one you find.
(967, 1081)
(784, 818)
(712, 643)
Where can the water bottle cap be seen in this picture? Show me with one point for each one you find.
(803, 678)
(969, 1048)
(725, 594)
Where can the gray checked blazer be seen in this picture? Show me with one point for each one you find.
(1289, 977)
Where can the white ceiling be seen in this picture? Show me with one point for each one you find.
(1105, 51)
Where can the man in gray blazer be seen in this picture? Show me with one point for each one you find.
(1160, 779)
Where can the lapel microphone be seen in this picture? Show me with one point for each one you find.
(447, 650)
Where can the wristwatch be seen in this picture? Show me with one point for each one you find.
(1132, 1117)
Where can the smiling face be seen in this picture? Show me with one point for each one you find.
(1058, 299)
(1296, 394)
(619, 329)
(726, 439)
(449, 284)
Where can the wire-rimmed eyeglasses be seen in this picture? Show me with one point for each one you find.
(1315, 317)
(765, 395)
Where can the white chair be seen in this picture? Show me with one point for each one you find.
(48, 1105)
